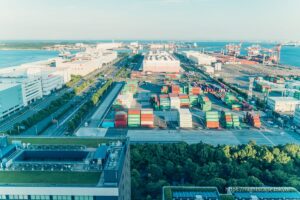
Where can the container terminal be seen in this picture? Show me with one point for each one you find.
(164, 94)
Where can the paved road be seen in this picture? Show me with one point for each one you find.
(214, 137)
(32, 109)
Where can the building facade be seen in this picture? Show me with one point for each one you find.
(11, 99)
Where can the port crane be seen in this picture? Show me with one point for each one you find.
(271, 56)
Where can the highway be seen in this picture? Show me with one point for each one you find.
(41, 104)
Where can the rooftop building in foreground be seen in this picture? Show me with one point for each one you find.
(64, 169)
(233, 193)
(190, 193)
(266, 193)
(161, 62)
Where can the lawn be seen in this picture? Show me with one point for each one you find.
(89, 142)
(31, 177)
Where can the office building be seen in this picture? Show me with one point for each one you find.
(31, 87)
(64, 169)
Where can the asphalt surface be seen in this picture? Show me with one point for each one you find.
(270, 137)
(9, 122)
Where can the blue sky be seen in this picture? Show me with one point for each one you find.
(150, 19)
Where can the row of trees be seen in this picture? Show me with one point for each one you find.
(157, 165)
(97, 96)
(74, 80)
(83, 86)
(40, 115)
(79, 116)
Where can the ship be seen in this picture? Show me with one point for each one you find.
(292, 44)
(233, 49)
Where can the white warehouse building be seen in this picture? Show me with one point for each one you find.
(283, 104)
(160, 62)
(200, 58)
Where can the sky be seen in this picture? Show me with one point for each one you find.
(150, 19)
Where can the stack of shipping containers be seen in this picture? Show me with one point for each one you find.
(204, 102)
(184, 101)
(123, 101)
(212, 119)
(164, 102)
(134, 118)
(175, 89)
(193, 100)
(235, 120)
(253, 119)
(147, 118)
(164, 89)
(174, 101)
(120, 119)
(226, 119)
(130, 87)
(155, 101)
(185, 118)
(194, 90)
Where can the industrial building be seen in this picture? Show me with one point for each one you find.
(200, 58)
(283, 104)
(109, 45)
(64, 169)
(161, 62)
(234, 193)
(86, 62)
(50, 79)
(11, 99)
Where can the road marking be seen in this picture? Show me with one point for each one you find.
(268, 139)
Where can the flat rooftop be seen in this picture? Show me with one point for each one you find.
(273, 193)
(237, 193)
(161, 56)
(4, 86)
(60, 161)
(186, 193)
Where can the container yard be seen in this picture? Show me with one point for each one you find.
(181, 100)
